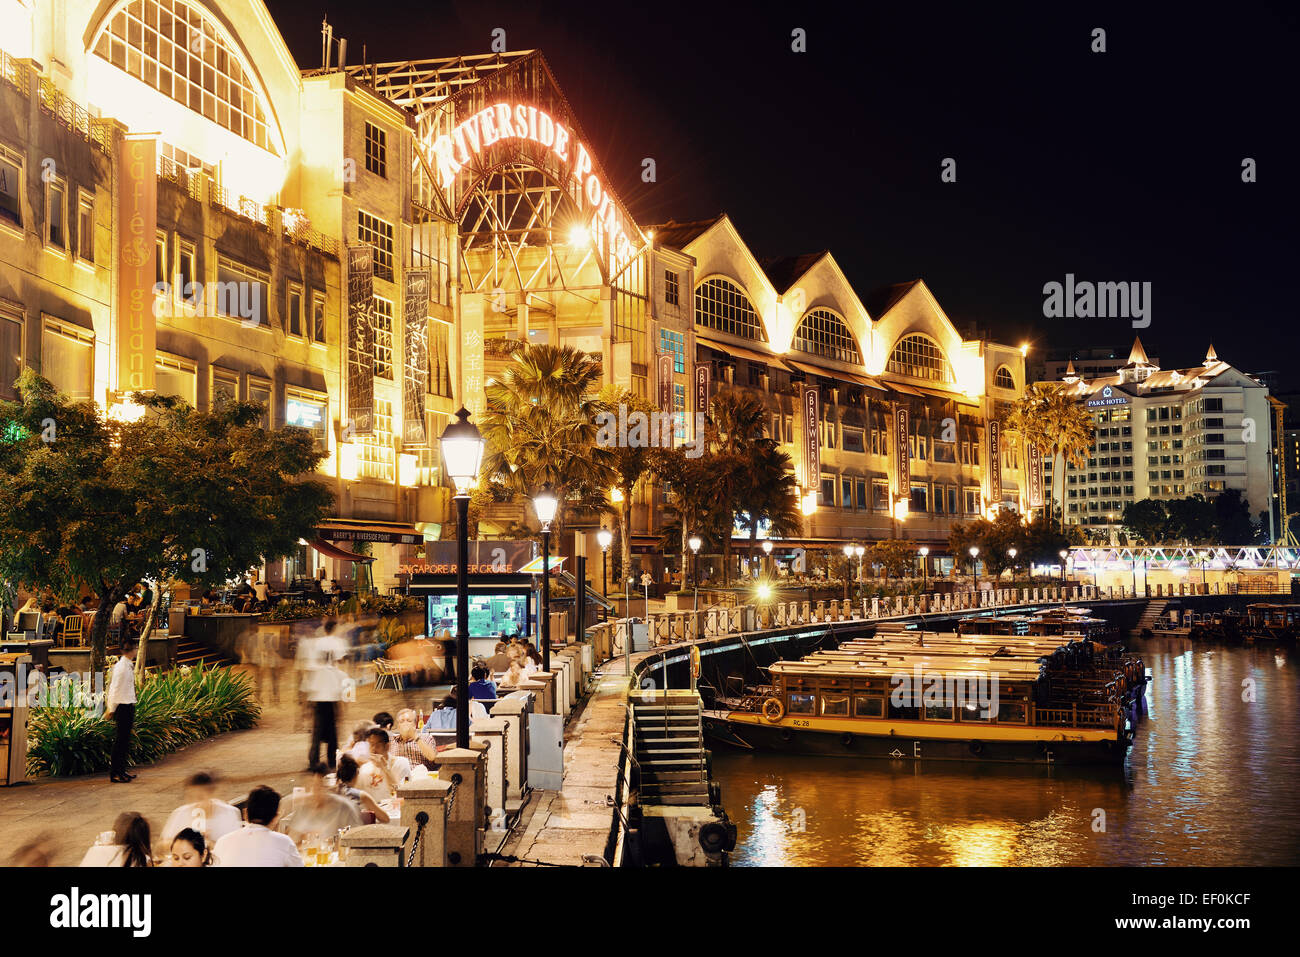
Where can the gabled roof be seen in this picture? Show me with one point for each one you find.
(785, 271)
(880, 301)
(680, 235)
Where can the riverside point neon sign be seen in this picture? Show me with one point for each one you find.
(507, 121)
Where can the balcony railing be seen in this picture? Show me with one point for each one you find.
(55, 103)
(16, 73)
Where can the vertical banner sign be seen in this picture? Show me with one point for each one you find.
(361, 342)
(903, 460)
(812, 439)
(701, 402)
(1035, 476)
(666, 394)
(995, 463)
(415, 368)
(136, 229)
(471, 361)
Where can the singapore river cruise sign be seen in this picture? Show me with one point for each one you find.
(522, 126)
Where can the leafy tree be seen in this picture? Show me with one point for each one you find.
(630, 464)
(99, 504)
(1045, 539)
(962, 536)
(895, 556)
(1192, 520)
(1050, 419)
(693, 497)
(1232, 518)
(541, 423)
(739, 425)
(1147, 520)
(769, 493)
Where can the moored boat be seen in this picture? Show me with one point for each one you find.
(934, 697)
(1067, 623)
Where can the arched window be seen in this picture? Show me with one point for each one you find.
(919, 357)
(721, 304)
(1003, 378)
(177, 49)
(822, 333)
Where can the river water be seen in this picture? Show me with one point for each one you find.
(1213, 778)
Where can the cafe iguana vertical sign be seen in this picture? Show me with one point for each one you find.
(415, 368)
(361, 341)
(665, 378)
(135, 327)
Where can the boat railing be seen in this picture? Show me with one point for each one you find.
(1076, 716)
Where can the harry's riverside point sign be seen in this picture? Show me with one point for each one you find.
(506, 122)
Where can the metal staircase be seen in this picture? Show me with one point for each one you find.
(668, 743)
(1150, 615)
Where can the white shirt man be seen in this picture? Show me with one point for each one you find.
(121, 687)
(260, 590)
(212, 818)
(256, 845)
(380, 776)
(119, 612)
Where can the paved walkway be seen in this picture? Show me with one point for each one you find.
(72, 811)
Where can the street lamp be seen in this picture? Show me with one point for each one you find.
(462, 454)
(1011, 553)
(859, 550)
(695, 542)
(604, 538)
(848, 572)
(767, 551)
(974, 565)
(545, 504)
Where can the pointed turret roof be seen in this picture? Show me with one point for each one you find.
(1211, 356)
(1138, 357)
(1070, 374)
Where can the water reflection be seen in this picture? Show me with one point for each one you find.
(1213, 779)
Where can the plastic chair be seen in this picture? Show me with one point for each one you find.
(389, 673)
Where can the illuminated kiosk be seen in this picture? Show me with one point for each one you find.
(502, 586)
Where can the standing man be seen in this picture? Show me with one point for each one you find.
(325, 691)
(120, 706)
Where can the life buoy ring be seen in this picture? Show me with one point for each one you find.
(695, 661)
(977, 747)
(773, 709)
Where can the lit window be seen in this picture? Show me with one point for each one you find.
(920, 358)
(56, 213)
(439, 364)
(720, 304)
(670, 287)
(225, 386)
(376, 150)
(85, 228)
(307, 410)
(68, 358)
(379, 235)
(1003, 379)
(294, 319)
(11, 187)
(259, 391)
(822, 333)
(317, 318)
(178, 50)
(375, 457)
(383, 338)
(674, 342)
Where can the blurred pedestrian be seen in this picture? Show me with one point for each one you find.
(120, 706)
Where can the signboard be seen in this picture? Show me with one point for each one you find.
(1035, 476)
(415, 367)
(666, 396)
(307, 415)
(471, 358)
(383, 536)
(1107, 398)
(812, 441)
(995, 462)
(361, 341)
(485, 558)
(136, 228)
(903, 447)
(703, 370)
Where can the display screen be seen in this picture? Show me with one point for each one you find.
(489, 614)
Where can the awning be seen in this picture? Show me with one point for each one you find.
(535, 566)
(333, 551)
(903, 389)
(384, 533)
(850, 377)
(739, 352)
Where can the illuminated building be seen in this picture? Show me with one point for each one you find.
(1170, 433)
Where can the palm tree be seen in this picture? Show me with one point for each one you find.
(771, 493)
(630, 464)
(1049, 419)
(739, 424)
(540, 425)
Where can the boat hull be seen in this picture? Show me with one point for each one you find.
(721, 728)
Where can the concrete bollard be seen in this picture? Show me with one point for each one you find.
(560, 686)
(492, 732)
(546, 697)
(463, 767)
(376, 845)
(514, 712)
(427, 795)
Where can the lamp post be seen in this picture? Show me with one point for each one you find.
(462, 453)
(695, 542)
(545, 503)
(767, 551)
(1011, 553)
(604, 538)
(859, 550)
(848, 572)
(925, 566)
(631, 626)
(975, 566)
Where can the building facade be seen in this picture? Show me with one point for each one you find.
(1169, 433)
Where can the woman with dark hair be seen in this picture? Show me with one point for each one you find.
(190, 849)
(127, 845)
(346, 785)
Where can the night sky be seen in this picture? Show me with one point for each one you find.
(1116, 166)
